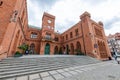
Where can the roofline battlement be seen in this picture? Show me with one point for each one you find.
(85, 14)
(49, 15)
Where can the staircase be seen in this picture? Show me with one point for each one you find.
(13, 67)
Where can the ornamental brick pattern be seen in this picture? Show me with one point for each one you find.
(86, 36)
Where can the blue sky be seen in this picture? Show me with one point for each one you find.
(67, 12)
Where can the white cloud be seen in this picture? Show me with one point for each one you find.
(114, 29)
(67, 13)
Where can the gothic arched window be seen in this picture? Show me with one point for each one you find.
(1, 2)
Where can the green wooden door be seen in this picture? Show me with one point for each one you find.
(47, 49)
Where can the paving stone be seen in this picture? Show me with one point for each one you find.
(69, 78)
(92, 68)
(60, 70)
(84, 69)
(66, 74)
(58, 76)
(73, 72)
(71, 68)
(22, 78)
(76, 67)
(11, 79)
(53, 72)
(48, 78)
(79, 71)
(34, 76)
(44, 74)
(88, 69)
(37, 79)
(67, 69)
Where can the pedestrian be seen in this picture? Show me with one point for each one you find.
(115, 56)
(26, 52)
(64, 52)
(109, 58)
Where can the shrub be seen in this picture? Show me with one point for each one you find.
(17, 54)
(79, 52)
(23, 47)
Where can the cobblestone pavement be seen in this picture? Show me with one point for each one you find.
(108, 70)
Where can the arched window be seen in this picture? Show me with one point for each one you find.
(76, 32)
(56, 50)
(78, 45)
(63, 38)
(33, 35)
(72, 48)
(71, 35)
(67, 49)
(48, 36)
(66, 36)
(32, 46)
(78, 48)
(56, 39)
(1, 2)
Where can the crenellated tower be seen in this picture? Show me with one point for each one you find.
(47, 33)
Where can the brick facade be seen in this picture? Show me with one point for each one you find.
(13, 25)
(85, 36)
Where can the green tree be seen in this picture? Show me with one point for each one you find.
(23, 47)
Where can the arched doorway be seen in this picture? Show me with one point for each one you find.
(32, 48)
(78, 48)
(60, 50)
(56, 50)
(72, 48)
(67, 49)
(47, 49)
(63, 49)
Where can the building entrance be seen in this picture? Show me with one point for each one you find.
(47, 49)
(67, 49)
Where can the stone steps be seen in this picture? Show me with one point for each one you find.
(12, 67)
(26, 67)
(29, 72)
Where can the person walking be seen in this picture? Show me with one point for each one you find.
(26, 52)
(115, 56)
(64, 53)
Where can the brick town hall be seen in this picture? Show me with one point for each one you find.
(86, 36)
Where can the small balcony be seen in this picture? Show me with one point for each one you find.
(47, 38)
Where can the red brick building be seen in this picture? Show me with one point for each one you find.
(85, 36)
(13, 25)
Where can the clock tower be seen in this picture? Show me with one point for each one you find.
(47, 33)
(48, 22)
